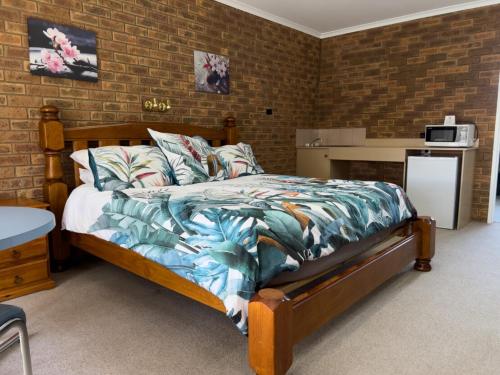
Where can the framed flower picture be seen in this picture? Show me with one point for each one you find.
(62, 51)
(211, 72)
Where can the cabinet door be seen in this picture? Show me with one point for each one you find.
(313, 162)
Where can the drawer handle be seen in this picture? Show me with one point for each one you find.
(326, 155)
(18, 280)
(16, 254)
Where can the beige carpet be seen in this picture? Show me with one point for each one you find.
(101, 320)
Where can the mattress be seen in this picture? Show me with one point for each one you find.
(312, 268)
(236, 236)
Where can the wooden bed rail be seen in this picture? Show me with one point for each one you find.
(278, 321)
(54, 139)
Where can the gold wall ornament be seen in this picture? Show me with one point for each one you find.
(156, 105)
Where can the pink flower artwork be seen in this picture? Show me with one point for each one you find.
(55, 64)
(62, 40)
(62, 51)
(70, 52)
(45, 55)
(211, 72)
(51, 33)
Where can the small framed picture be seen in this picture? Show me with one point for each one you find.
(62, 51)
(211, 72)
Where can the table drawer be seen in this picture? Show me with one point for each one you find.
(25, 251)
(17, 276)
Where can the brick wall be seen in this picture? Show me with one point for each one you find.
(145, 48)
(392, 80)
(395, 79)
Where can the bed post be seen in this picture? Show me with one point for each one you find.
(54, 189)
(270, 340)
(427, 227)
(230, 128)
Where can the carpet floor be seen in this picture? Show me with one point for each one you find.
(102, 320)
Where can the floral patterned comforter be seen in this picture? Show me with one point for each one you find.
(232, 237)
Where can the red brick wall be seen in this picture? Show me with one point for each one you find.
(391, 80)
(395, 79)
(145, 48)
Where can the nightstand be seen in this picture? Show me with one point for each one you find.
(24, 269)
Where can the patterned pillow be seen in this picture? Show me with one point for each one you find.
(192, 160)
(238, 160)
(124, 167)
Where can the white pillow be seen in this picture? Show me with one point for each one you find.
(86, 176)
(81, 157)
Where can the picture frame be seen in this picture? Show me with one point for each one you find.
(62, 51)
(211, 73)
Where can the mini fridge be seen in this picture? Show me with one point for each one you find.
(431, 185)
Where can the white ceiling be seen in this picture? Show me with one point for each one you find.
(325, 18)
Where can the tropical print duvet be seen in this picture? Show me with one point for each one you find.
(231, 237)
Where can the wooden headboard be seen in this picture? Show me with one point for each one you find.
(54, 139)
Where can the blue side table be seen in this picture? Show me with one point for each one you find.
(20, 225)
(24, 247)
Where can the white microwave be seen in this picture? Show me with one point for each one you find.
(450, 135)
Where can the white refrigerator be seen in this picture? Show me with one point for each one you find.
(431, 185)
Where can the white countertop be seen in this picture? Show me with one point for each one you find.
(392, 143)
(395, 147)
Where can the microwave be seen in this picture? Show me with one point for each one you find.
(450, 135)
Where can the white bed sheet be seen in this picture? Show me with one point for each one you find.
(84, 206)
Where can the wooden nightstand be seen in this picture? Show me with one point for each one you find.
(24, 269)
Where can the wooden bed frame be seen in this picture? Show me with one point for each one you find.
(278, 317)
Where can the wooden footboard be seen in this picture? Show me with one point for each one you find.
(277, 320)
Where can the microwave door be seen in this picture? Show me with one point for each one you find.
(441, 134)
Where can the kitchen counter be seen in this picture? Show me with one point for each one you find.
(333, 162)
(391, 144)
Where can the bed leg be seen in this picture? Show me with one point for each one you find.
(427, 226)
(270, 341)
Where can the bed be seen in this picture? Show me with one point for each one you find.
(292, 297)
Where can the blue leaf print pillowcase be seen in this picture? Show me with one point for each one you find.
(125, 167)
(238, 160)
(192, 160)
